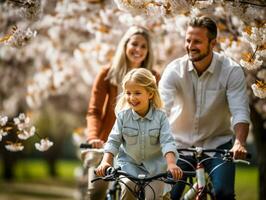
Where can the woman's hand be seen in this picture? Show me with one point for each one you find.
(176, 171)
(96, 143)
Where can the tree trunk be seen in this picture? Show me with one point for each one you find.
(9, 158)
(259, 133)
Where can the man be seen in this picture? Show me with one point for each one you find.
(201, 92)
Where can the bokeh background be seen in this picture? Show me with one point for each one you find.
(50, 53)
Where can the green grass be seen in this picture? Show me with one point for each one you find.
(246, 183)
(36, 171)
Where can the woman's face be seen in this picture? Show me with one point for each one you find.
(136, 50)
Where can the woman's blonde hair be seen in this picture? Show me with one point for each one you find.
(143, 78)
(119, 66)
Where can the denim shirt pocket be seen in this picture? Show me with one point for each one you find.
(154, 136)
(130, 135)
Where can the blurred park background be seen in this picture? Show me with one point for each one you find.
(50, 53)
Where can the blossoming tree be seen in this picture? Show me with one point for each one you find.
(54, 46)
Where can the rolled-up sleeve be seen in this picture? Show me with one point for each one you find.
(237, 97)
(166, 139)
(114, 139)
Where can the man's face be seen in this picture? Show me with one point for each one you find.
(197, 43)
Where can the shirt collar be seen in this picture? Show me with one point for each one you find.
(148, 116)
(210, 68)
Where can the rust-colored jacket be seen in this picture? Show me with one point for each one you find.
(101, 114)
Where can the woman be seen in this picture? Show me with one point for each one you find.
(134, 51)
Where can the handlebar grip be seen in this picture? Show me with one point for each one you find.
(248, 155)
(85, 146)
(109, 171)
(169, 174)
(187, 173)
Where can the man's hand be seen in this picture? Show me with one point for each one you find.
(239, 150)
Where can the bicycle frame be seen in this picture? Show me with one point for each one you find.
(202, 186)
(113, 193)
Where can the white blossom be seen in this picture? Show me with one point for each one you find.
(22, 121)
(251, 65)
(2, 133)
(233, 49)
(21, 37)
(44, 145)
(257, 36)
(14, 147)
(261, 53)
(24, 135)
(259, 92)
(3, 120)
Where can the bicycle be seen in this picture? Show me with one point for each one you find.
(113, 175)
(141, 182)
(91, 158)
(200, 184)
(114, 191)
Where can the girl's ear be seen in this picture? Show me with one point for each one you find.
(151, 95)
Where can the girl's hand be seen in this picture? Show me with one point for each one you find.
(176, 171)
(100, 170)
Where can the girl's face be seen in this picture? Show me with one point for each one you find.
(138, 97)
(136, 50)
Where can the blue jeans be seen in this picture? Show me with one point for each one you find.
(222, 178)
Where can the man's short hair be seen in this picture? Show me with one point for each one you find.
(205, 22)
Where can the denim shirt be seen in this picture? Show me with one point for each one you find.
(141, 142)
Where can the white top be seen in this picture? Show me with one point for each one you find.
(200, 108)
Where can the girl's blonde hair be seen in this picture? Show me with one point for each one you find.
(119, 66)
(143, 78)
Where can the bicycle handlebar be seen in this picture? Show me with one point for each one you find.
(200, 150)
(85, 146)
(112, 173)
(226, 153)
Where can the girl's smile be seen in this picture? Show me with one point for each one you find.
(138, 98)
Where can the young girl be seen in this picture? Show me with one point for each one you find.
(141, 135)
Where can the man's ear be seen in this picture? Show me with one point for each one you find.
(213, 43)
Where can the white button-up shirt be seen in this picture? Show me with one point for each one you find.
(200, 108)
